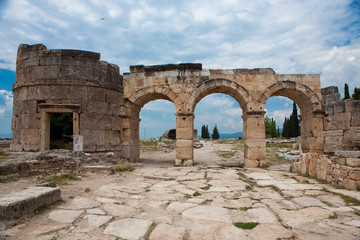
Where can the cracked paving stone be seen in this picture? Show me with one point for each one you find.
(129, 228)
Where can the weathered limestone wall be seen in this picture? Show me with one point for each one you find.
(342, 169)
(341, 165)
(66, 81)
(341, 123)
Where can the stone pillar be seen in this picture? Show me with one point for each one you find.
(312, 131)
(44, 131)
(184, 139)
(130, 132)
(254, 139)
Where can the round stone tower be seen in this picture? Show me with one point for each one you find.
(66, 81)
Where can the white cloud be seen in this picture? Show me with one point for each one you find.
(299, 36)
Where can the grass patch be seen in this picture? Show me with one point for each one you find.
(276, 189)
(245, 208)
(195, 194)
(207, 187)
(350, 201)
(3, 155)
(122, 167)
(246, 225)
(148, 145)
(63, 178)
(249, 188)
(357, 213)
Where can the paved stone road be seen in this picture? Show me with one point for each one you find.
(200, 202)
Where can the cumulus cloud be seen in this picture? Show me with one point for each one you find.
(299, 36)
(7, 102)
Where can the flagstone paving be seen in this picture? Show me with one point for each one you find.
(199, 202)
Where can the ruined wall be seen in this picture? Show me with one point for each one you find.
(341, 122)
(342, 169)
(341, 164)
(66, 81)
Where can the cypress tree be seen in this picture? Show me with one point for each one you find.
(203, 131)
(356, 95)
(286, 128)
(215, 134)
(346, 91)
(294, 122)
(207, 134)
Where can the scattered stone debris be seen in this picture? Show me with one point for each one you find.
(53, 161)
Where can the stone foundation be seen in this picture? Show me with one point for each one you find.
(342, 169)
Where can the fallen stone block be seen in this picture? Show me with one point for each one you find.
(26, 202)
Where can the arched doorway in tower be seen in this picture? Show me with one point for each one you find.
(224, 112)
(156, 118)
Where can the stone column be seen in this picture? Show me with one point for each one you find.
(312, 131)
(44, 131)
(254, 139)
(130, 135)
(184, 139)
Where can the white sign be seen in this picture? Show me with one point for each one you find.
(78, 143)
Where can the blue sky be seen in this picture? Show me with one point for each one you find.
(298, 36)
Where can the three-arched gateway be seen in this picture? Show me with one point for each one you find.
(106, 105)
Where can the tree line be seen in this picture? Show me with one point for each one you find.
(291, 126)
(354, 96)
(205, 134)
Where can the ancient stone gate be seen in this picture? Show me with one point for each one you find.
(106, 105)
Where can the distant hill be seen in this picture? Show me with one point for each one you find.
(229, 135)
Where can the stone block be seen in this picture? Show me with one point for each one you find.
(182, 143)
(96, 94)
(334, 140)
(29, 121)
(355, 175)
(251, 143)
(26, 202)
(355, 119)
(100, 108)
(27, 107)
(93, 137)
(340, 121)
(30, 136)
(88, 121)
(331, 148)
(335, 133)
(185, 121)
(350, 184)
(116, 123)
(185, 133)
(113, 137)
(329, 90)
(348, 154)
(255, 153)
(352, 106)
(353, 162)
(77, 93)
(184, 153)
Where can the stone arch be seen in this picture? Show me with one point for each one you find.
(311, 111)
(147, 94)
(219, 85)
(303, 95)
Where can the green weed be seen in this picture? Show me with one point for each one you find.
(246, 225)
(122, 167)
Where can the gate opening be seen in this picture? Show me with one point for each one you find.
(61, 131)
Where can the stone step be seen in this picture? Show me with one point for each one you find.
(26, 202)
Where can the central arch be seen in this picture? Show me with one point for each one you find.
(219, 85)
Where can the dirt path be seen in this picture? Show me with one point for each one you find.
(206, 201)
